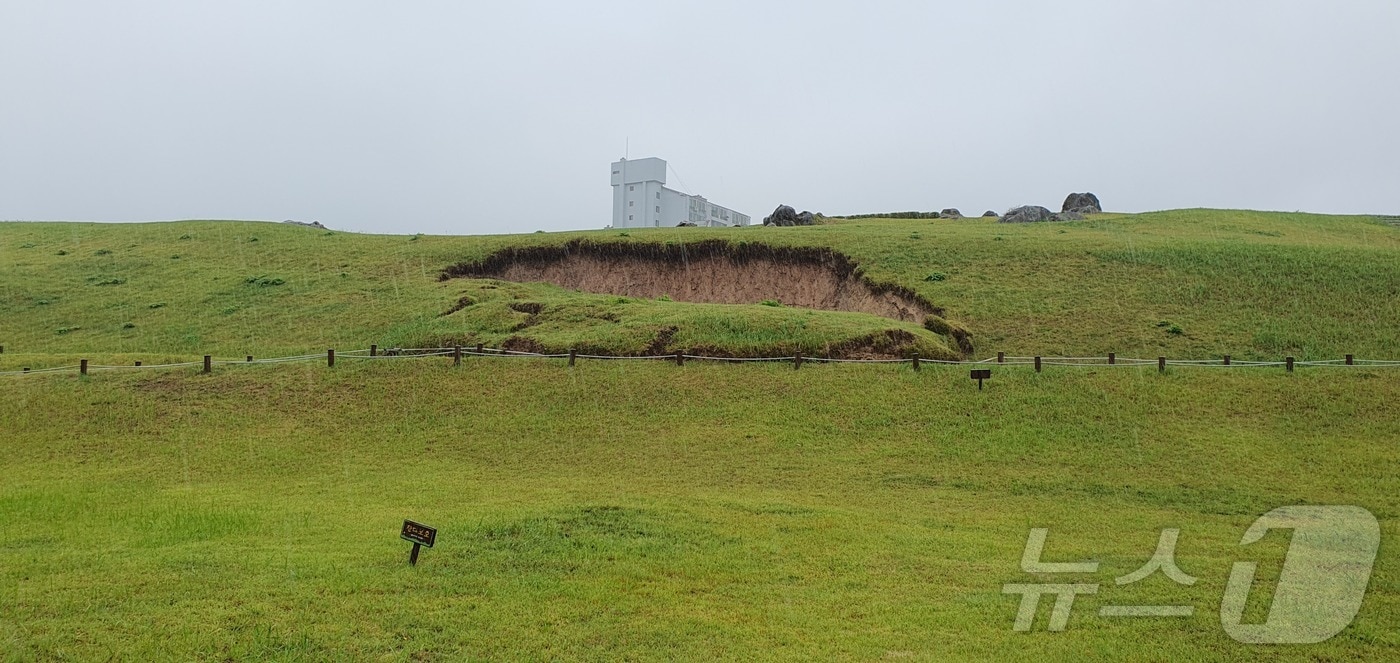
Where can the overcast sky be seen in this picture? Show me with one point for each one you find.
(484, 117)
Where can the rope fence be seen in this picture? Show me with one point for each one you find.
(457, 353)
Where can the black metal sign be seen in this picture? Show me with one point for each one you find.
(420, 535)
(981, 374)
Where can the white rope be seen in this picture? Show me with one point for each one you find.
(709, 358)
(112, 368)
(54, 369)
(858, 361)
(624, 356)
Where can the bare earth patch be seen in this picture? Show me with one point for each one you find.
(713, 271)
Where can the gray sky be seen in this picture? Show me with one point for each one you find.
(477, 117)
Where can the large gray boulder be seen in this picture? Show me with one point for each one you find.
(787, 216)
(1067, 216)
(1027, 214)
(950, 213)
(1083, 203)
(989, 214)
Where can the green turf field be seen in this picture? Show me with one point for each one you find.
(637, 510)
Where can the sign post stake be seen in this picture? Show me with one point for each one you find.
(980, 374)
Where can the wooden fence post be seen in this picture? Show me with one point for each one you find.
(1001, 357)
(1112, 358)
(1351, 361)
(797, 361)
(456, 355)
(1288, 362)
(680, 359)
(2, 349)
(208, 364)
(1037, 364)
(373, 349)
(1161, 364)
(82, 367)
(138, 363)
(250, 359)
(916, 361)
(480, 349)
(1227, 360)
(330, 358)
(572, 354)
(26, 369)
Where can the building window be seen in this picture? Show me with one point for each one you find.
(658, 209)
(629, 217)
(658, 195)
(631, 203)
(631, 188)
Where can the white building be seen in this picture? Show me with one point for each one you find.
(641, 200)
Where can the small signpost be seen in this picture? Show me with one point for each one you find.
(980, 374)
(420, 535)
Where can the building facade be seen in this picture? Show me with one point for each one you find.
(642, 200)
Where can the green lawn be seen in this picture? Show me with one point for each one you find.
(638, 510)
(641, 510)
(1249, 284)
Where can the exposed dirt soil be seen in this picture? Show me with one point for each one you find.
(461, 304)
(711, 271)
(719, 272)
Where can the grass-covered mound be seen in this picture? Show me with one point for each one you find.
(1191, 283)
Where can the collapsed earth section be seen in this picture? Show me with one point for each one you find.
(716, 272)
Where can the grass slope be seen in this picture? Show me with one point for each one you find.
(645, 511)
(1190, 283)
(640, 510)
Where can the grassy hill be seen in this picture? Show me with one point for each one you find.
(647, 511)
(1194, 283)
